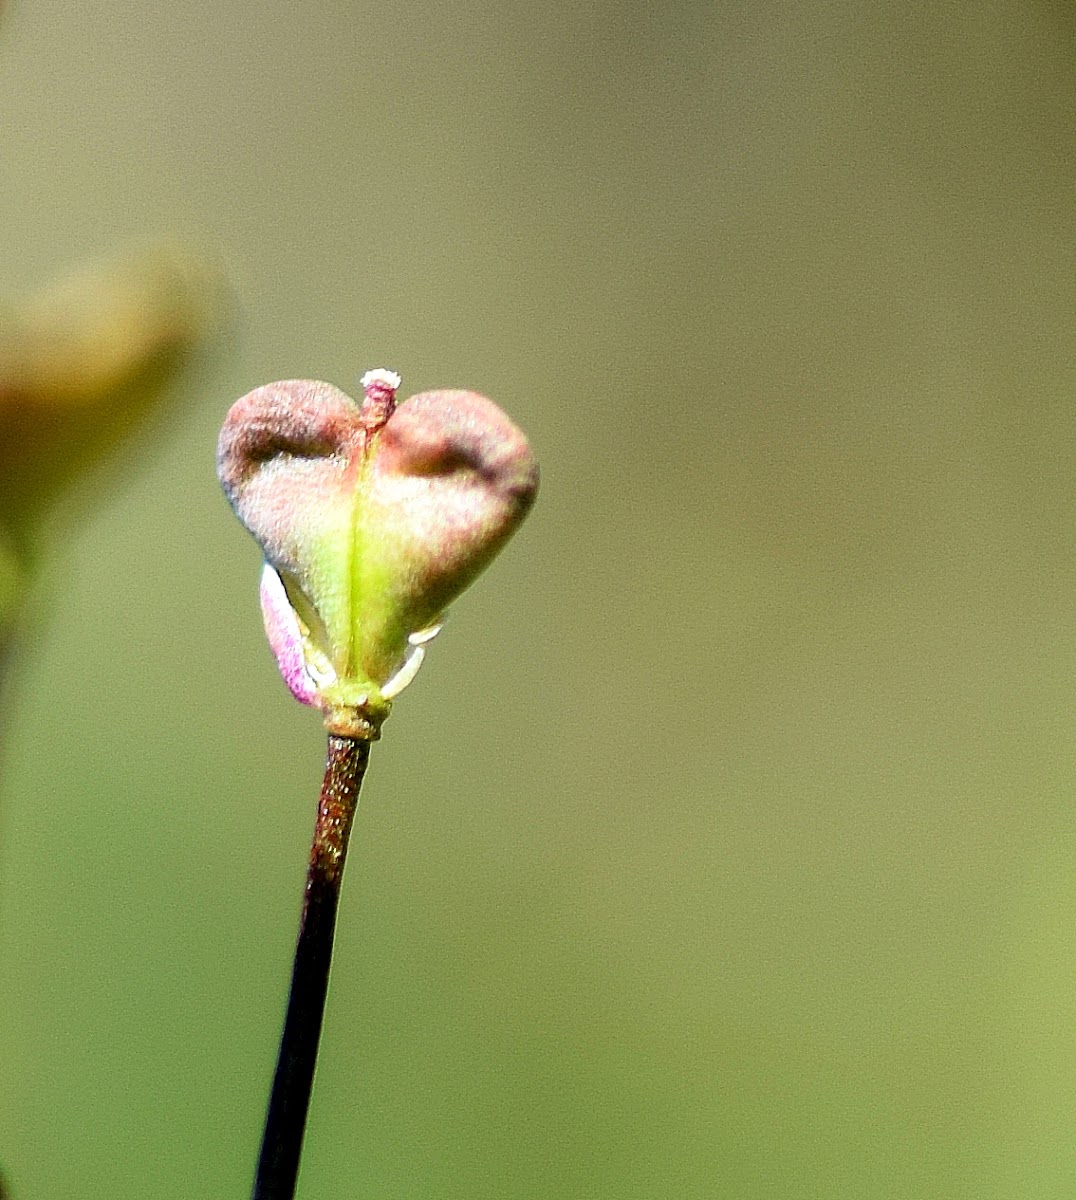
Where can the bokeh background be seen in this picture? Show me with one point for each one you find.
(725, 846)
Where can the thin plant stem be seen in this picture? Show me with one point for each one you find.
(282, 1142)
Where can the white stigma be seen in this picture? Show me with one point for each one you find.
(380, 375)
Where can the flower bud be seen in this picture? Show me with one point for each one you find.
(372, 519)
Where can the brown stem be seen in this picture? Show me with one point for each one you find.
(282, 1142)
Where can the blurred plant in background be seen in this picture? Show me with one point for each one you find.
(83, 363)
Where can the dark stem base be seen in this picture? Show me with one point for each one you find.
(282, 1143)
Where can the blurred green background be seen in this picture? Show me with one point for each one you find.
(725, 846)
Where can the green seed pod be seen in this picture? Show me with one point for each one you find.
(372, 519)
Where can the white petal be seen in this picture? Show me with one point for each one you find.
(405, 674)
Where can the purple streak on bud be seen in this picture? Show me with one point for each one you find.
(285, 637)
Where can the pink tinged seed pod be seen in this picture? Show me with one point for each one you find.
(372, 519)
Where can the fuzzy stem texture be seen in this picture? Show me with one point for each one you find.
(278, 1163)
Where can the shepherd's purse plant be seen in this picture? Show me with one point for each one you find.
(372, 517)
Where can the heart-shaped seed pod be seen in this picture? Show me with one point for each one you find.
(372, 519)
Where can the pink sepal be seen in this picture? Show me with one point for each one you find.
(285, 637)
